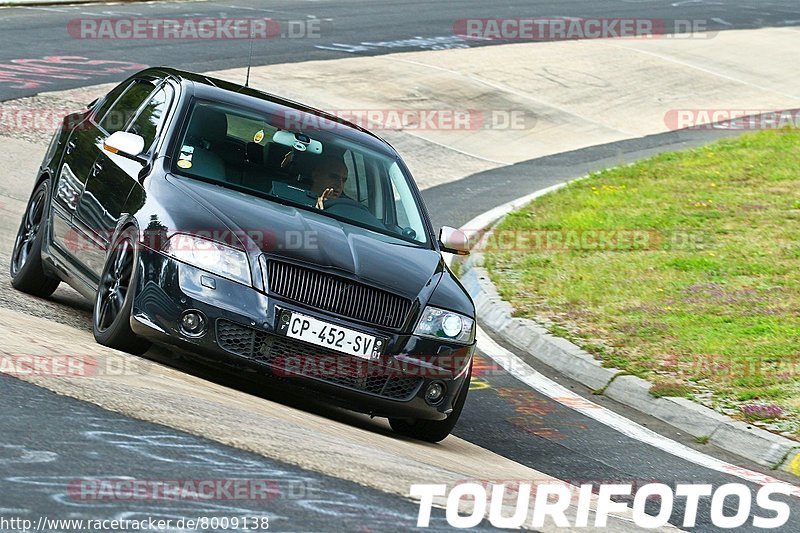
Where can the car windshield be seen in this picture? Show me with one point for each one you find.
(313, 167)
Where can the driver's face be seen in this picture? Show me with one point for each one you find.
(331, 178)
(335, 181)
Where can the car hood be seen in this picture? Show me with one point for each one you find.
(316, 240)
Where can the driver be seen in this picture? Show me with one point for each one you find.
(328, 179)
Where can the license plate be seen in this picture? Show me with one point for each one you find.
(320, 333)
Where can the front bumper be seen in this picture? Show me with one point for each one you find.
(242, 329)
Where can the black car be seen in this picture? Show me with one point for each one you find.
(244, 228)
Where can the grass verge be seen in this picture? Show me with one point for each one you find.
(683, 269)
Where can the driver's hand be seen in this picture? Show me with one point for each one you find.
(325, 195)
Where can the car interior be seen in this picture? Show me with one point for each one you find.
(246, 151)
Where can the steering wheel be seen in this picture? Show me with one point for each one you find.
(349, 208)
(334, 202)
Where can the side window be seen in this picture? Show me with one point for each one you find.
(109, 100)
(126, 106)
(409, 220)
(356, 186)
(376, 183)
(401, 218)
(148, 123)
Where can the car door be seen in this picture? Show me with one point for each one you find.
(79, 156)
(113, 175)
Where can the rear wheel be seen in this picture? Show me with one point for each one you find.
(114, 300)
(433, 430)
(27, 270)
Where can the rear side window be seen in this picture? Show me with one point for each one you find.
(356, 188)
(148, 123)
(124, 109)
(109, 100)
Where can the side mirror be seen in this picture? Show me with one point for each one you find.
(125, 144)
(453, 241)
(91, 104)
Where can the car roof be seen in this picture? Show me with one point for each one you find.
(216, 89)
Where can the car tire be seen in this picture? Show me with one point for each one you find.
(433, 430)
(112, 305)
(27, 270)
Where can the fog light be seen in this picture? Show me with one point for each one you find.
(435, 393)
(193, 323)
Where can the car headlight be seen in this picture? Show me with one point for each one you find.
(447, 325)
(211, 256)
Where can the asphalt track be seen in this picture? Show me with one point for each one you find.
(502, 415)
(43, 464)
(344, 28)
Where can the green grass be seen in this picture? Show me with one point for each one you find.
(700, 284)
(670, 387)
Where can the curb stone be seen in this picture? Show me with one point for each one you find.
(740, 438)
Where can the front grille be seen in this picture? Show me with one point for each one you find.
(337, 295)
(288, 357)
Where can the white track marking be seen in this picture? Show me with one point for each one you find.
(518, 368)
(35, 8)
(721, 21)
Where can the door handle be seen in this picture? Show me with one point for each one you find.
(96, 169)
(70, 147)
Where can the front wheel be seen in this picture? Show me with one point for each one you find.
(433, 430)
(112, 307)
(27, 270)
